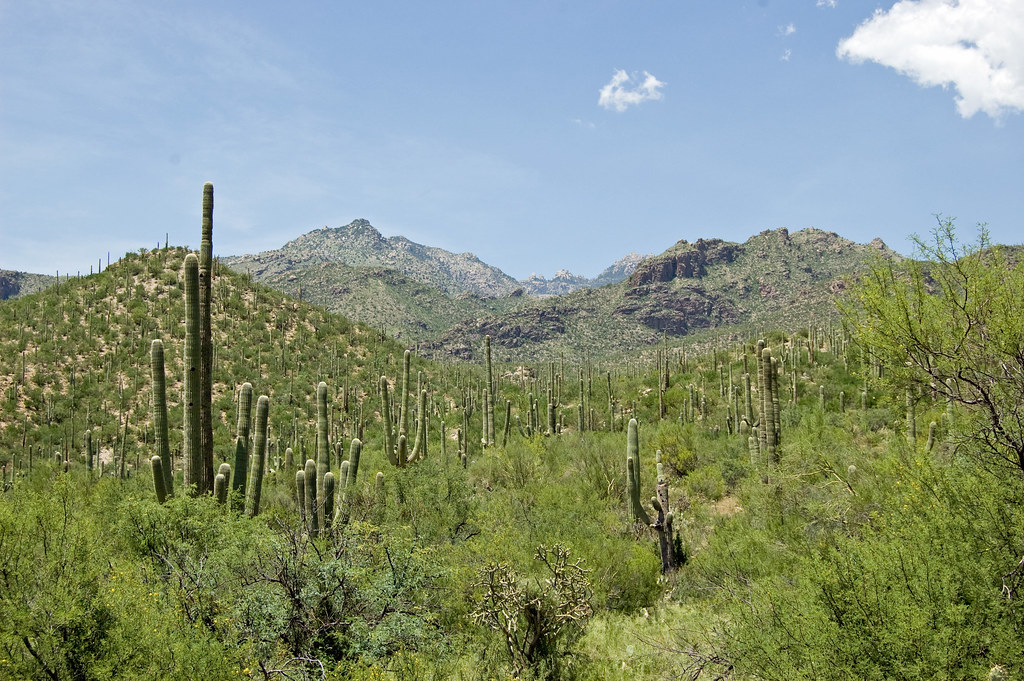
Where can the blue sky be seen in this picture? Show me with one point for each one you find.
(537, 135)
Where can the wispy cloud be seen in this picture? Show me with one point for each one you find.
(786, 55)
(827, 3)
(625, 90)
(788, 29)
(973, 45)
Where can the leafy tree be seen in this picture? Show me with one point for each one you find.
(952, 323)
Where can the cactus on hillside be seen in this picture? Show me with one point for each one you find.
(385, 412)
(192, 447)
(252, 502)
(300, 493)
(158, 479)
(241, 468)
(312, 502)
(328, 503)
(323, 448)
(163, 449)
(206, 340)
(636, 509)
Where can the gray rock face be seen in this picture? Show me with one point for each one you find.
(360, 244)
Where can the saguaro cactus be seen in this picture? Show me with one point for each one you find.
(312, 502)
(328, 503)
(419, 447)
(768, 420)
(252, 502)
(300, 492)
(158, 479)
(206, 339)
(663, 523)
(403, 421)
(323, 447)
(385, 412)
(163, 449)
(242, 442)
(193, 457)
(636, 509)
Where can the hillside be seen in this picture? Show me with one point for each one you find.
(75, 356)
(383, 298)
(774, 280)
(14, 284)
(360, 244)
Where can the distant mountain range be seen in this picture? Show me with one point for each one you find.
(774, 280)
(414, 292)
(359, 244)
(447, 302)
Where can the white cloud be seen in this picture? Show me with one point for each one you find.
(786, 55)
(827, 3)
(789, 29)
(973, 45)
(624, 90)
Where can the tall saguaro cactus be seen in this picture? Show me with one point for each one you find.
(385, 412)
(323, 446)
(163, 449)
(241, 469)
(259, 453)
(636, 508)
(206, 341)
(192, 436)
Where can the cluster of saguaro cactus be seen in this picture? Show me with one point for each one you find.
(396, 443)
(317, 496)
(197, 447)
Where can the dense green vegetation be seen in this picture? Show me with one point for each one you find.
(853, 546)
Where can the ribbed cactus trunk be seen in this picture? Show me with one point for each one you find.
(158, 479)
(323, 446)
(768, 420)
(490, 371)
(385, 412)
(241, 468)
(663, 522)
(636, 509)
(508, 423)
(300, 493)
(403, 421)
(192, 455)
(419, 447)
(312, 505)
(485, 397)
(206, 341)
(163, 449)
(328, 503)
(762, 391)
(88, 452)
(252, 505)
